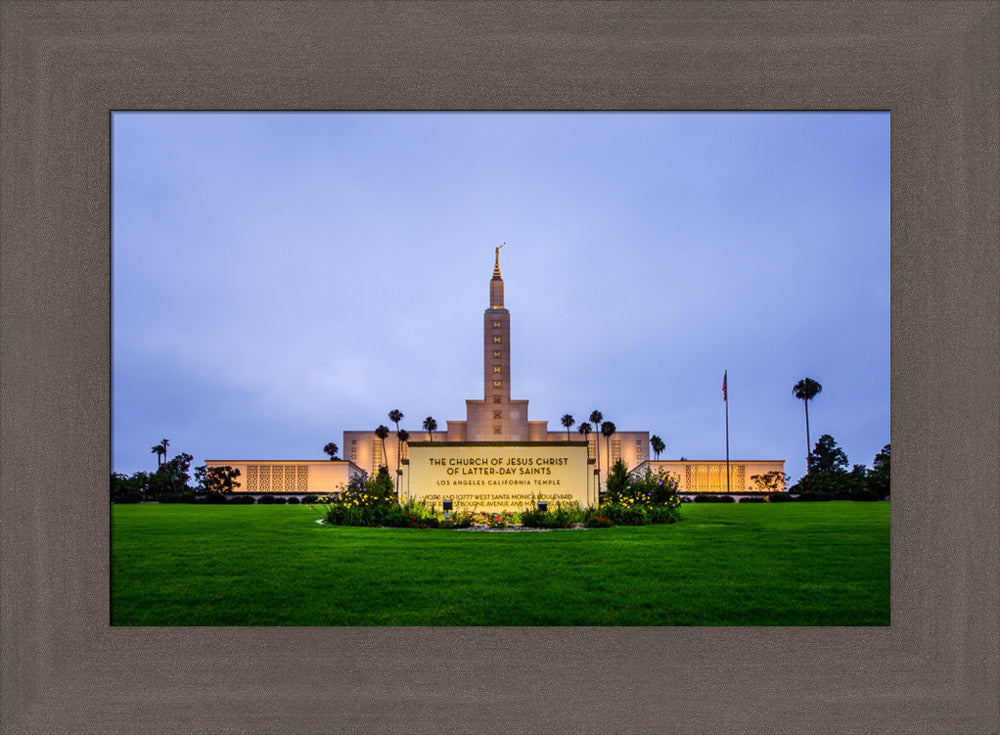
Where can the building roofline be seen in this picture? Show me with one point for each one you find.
(718, 461)
(544, 443)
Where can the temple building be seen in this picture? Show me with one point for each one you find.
(496, 417)
(496, 436)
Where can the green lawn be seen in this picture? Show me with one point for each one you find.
(742, 564)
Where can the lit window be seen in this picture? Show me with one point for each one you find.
(496, 368)
(496, 325)
(496, 340)
(497, 354)
(496, 383)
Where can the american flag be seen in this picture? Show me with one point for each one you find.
(725, 395)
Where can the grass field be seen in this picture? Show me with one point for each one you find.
(742, 564)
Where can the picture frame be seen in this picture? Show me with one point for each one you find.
(66, 66)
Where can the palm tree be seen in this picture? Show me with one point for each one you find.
(395, 416)
(596, 418)
(429, 426)
(584, 429)
(402, 436)
(607, 429)
(382, 432)
(805, 390)
(567, 421)
(657, 444)
(332, 450)
(160, 450)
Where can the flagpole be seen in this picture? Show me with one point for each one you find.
(725, 397)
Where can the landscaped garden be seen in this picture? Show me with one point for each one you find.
(732, 564)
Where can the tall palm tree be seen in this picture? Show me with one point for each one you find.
(584, 429)
(160, 451)
(657, 444)
(567, 421)
(395, 416)
(607, 429)
(402, 436)
(429, 426)
(332, 450)
(596, 418)
(382, 432)
(805, 390)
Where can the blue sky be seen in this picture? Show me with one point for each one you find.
(278, 278)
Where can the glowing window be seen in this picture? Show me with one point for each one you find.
(496, 340)
(496, 368)
(497, 354)
(496, 325)
(496, 383)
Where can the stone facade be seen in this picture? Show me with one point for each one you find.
(709, 476)
(316, 477)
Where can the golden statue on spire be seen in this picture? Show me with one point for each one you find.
(496, 260)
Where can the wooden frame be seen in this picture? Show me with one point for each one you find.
(65, 66)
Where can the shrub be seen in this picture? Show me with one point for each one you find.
(780, 498)
(381, 486)
(243, 499)
(342, 514)
(177, 498)
(643, 492)
(410, 514)
(271, 500)
(364, 502)
(597, 518)
(458, 519)
(127, 496)
(662, 514)
(560, 515)
(753, 499)
(623, 515)
(186, 497)
(309, 499)
(215, 499)
(293, 500)
(617, 483)
(714, 498)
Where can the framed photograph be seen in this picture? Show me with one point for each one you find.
(67, 68)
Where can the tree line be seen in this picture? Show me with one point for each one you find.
(172, 479)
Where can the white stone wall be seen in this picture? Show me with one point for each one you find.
(317, 477)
